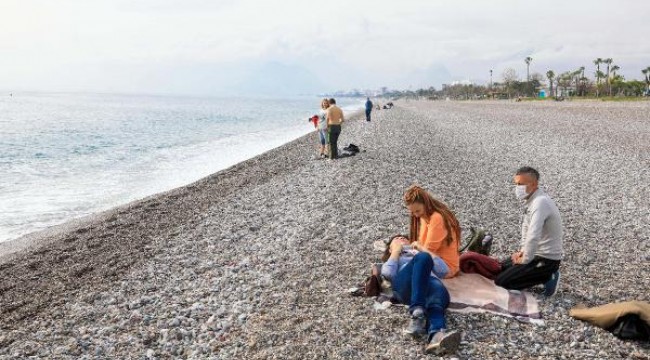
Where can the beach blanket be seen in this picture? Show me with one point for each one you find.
(473, 293)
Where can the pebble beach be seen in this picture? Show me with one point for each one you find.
(253, 262)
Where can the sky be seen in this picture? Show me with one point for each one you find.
(212, 47)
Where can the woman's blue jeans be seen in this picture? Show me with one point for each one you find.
(414, 285)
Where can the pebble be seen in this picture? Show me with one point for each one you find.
(254, 262)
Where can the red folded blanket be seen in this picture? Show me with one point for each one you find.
(471, 262)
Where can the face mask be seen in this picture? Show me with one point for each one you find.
(520, 192)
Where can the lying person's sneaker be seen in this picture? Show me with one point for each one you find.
(443, 342)
(551, 286)
(418, 323)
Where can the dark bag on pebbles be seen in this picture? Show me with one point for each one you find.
(631, 327)
(352, 148)
(372, 286)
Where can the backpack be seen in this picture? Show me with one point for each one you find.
(479, 241)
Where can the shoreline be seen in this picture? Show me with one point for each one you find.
(129, 167)
(38, 238)
(135, 226)
(253, 261)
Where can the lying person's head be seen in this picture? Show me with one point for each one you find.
(401, 238)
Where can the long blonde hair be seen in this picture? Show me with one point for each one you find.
(416, 194)
(324, 101)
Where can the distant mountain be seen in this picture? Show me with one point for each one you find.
(275, 78)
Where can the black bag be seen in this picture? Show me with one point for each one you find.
(352, 149)
(631, 327)
(479, 241)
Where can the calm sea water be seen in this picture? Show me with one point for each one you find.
(63, 156)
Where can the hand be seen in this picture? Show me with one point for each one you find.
(517, 258)
(416, 246)
(396, 247)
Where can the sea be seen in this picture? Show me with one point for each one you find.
(67, 155)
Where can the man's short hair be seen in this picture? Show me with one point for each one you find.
(528, 170)
(332, 101)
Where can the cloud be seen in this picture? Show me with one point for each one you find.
(149, 45)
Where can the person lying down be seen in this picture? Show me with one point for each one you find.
(408, 252)
(415, 281)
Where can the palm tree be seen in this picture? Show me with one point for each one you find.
(615, 77)
(550, 75)
(597, 62)
(608, 61)
(576, 78)
(564, 81)
(582, 81)
(528, 60)
(599, 75)
(646, 73)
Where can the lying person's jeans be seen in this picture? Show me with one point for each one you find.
(440, 268)
(414, 286)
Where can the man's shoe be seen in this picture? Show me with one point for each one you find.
(551, 286)
(443, 343)
(418, 323)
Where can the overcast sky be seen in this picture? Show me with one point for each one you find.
(210, 46)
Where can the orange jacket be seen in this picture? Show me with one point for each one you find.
(432, 237)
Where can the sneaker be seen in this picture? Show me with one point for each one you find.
(418, 323)
(551, 286)
(443, 343)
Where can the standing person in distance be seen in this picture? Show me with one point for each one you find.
(322, 127)
(334, 120)
(368, 108)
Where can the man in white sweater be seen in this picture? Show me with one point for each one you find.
(538, 260)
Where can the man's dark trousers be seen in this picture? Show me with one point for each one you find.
(522, 276)
(334, 132)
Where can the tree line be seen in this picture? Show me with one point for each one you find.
(606, 81)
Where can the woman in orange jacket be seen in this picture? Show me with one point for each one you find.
(434, 229)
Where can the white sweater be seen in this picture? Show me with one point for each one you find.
(541, 229)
